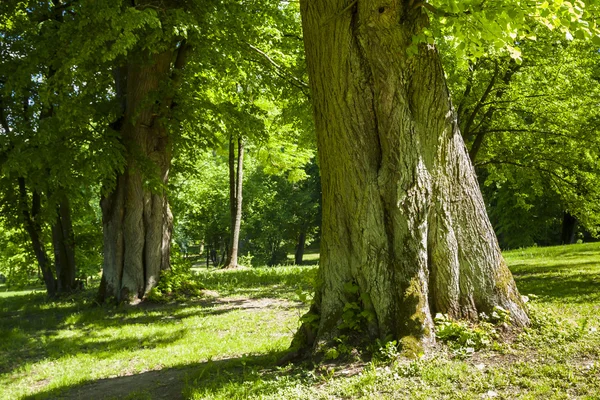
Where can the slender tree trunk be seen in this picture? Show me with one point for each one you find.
(137, 220)
(300, 248)
(224, 252)
(34, 229)
(232, 194)
(403, 218)
(569, 228)
(63, 240)
(32, 220)
(235, 198)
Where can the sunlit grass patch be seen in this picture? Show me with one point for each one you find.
(49, 348)
(280, 282)
(226, 346)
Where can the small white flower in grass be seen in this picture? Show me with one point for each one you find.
(480, 367)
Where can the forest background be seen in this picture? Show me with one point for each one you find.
(528, 114)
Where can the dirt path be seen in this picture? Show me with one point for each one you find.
(161, 384)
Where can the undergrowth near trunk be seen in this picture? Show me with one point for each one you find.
(177, 284)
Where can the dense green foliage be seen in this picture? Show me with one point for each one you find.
(523, 76)
(532, 134)
(60, 119)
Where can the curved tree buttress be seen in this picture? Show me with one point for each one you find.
(137, 221)
(404, 221)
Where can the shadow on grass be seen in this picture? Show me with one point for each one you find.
(553, 267)
(40, 331)
(572, 282)
(33, 312)
(26, 349)
(242, 374)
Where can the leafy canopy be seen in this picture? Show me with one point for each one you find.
(480, 27)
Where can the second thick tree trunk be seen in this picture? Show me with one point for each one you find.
(405, 233)
(137, 220)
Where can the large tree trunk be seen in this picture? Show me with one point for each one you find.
(403, 218)
(34, 230)
(63, 240)
(235, 199)
(137, 220)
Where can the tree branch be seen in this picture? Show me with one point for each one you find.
(535, 168)
(488, 90)
(282, 71)
(466, 93)
(437, 11)
(487, 117)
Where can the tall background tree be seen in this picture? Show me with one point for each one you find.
(49, 160)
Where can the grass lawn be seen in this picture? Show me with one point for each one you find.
(225, 346)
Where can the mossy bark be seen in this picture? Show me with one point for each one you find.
(403, 215)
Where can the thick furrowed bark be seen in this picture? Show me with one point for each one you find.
(403, 217)
(132, 283)
(113, 210)
(485, 281)
(153, 241)
(136, 216)
(134, 279)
